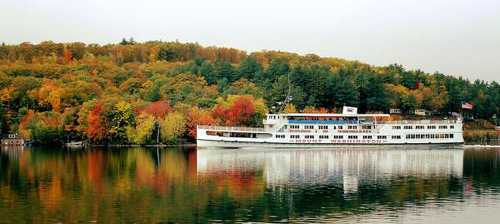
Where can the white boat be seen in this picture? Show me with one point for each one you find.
(75, 145)
(327, 129)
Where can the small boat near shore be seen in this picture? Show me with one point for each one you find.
(75, 145)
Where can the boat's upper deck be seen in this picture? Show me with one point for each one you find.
(339, 119)
(329, 115)
(325, 118)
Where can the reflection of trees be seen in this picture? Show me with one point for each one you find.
(482, 168)
(105, 185)
(146, 185)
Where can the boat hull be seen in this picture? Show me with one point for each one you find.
(242, 144)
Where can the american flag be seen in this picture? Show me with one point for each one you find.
(350, 110)
(467, 106)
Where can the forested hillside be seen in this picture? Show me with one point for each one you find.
(123, 93)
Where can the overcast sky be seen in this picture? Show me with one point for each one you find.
(455, 37)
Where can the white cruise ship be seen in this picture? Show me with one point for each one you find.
(326, 129)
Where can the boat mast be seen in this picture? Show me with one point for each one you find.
(288, 95)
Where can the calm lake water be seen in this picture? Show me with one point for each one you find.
(185, 185)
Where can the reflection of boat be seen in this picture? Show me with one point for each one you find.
(348, 128)
(13, 152)
(345, 168)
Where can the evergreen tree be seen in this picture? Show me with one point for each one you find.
(224, 70)
(249, 68)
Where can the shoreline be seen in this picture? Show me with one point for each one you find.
(188, 145)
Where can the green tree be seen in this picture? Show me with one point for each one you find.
(207, 71)
(249, 68)
(342, 91)
(225, 71)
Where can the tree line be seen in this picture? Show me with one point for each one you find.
(157, 91)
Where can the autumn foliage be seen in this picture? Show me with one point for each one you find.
(23, 124)
(96, 130)
(45, 127)
(197, 116)
(122, 93)
(238, 110)
(157, 109)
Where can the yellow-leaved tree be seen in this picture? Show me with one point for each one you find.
(142, 131)
(172, 126)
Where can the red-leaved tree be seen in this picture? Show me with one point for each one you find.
(238, 111)
(158, 109)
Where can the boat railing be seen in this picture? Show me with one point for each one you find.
(228, 128)
(322, 122)
(420, 122)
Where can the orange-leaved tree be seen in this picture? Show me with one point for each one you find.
(197, 116)
(96, 130)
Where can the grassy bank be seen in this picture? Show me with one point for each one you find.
(481, 132)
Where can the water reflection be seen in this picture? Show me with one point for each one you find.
(343, 168)
(187, 185)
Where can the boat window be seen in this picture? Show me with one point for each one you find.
(309, 126)
(294, 136)
(367, 137)
(431, 127)
(381, 137)
(443, 127)
(396, 137)
(408, 127)
(323, 127)
(396, 127)
(452, 127)
(241, 135)
(352, 137)
(338, 137)
(323, 136)
(366, 127)
(419, 127)
(214, 133)
(309, 136)
(280, 136)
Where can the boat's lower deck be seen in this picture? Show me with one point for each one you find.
(239, 144)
